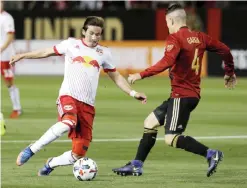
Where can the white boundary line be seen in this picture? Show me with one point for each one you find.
(133, 139)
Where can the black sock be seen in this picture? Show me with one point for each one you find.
(190, 144)
(147, 142)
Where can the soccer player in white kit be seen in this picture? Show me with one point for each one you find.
(83, 59)
(7, 31)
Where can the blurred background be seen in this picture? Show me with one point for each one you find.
(141, 23)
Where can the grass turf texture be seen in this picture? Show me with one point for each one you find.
(221, 112)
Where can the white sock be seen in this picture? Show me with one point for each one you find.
(66, 158)
(15, 97)
(50, 135)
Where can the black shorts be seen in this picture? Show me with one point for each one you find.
(175, 113)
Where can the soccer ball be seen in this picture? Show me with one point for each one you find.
(85, 169)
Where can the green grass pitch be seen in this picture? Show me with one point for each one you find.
(221, 112)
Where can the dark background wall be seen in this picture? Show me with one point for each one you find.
(226, 25)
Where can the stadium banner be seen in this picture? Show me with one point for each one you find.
(216, 66)
(128, 56)
(55, 25)
(234, 38)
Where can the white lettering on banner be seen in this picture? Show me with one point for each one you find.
(124, 58)
(239, 58)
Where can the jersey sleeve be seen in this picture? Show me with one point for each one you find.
(221, 49)
(9, 26)
(61, 48)
(108, 65)
(172, 49)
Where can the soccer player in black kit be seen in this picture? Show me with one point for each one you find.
(183, 57)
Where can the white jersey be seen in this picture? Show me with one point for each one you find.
(6, 26)
(82, 68)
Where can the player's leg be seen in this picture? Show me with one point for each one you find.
(68, 114)
(79, 149)
(154, 120)
(81, 137)
(178, 114)
(8, 75)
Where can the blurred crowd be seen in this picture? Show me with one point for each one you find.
(61, 5)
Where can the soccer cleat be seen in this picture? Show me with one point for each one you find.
(133, 168)
(46, 170)
(15, 114)
(24, 156)
(214, 157)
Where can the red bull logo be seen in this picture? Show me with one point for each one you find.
(86, 61)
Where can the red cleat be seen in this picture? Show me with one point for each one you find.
(15, 114)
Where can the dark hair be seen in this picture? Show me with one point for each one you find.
(172, 7)
(94, 21)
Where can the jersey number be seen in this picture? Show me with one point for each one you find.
(196, 63)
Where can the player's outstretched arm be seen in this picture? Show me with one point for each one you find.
(123, 85)
(33, 55)
(162, 65)
(172, 50)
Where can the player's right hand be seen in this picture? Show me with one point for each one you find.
(141, 97)
(230, 81)
(134, 77)
(15, 58)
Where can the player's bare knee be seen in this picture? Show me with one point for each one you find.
(149, 128)
(151, 122)
(147, 124)
(169, 138)
(69, 119)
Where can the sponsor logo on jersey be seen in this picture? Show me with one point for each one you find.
(86, 61)
(99, 51)
(169, 47)
(68, 107)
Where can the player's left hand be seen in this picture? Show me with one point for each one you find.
(133, 77)
(230, 81)
(141, 97)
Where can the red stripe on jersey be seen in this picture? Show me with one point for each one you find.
(11, 32)
(110, 70)
(55, 50)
